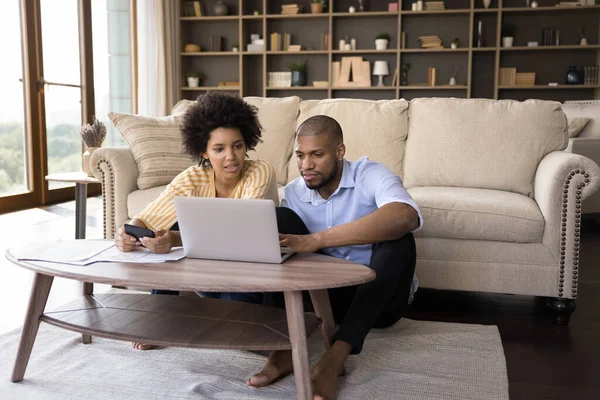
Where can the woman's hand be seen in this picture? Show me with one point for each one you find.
(161, 244)
(125, 242)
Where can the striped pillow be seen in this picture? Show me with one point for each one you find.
(156, 146)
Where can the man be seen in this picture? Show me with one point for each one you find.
(353, 210)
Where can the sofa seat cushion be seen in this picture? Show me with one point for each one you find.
(478, 214)
(479, 143)
(373, 128)
(278, 119)
(137, 200)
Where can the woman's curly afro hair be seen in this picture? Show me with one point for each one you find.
(218, 110)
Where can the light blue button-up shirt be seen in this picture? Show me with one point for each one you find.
(364, 187)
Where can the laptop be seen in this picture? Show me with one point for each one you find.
(230, 229)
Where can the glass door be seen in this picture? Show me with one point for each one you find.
(61, 81)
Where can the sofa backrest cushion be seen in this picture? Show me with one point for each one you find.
(376, 129)
(278, 119)
(477, 143)
(156, 146)
(585, 109)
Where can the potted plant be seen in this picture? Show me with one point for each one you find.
(508, 35)
(298, 73)
(381, 41)
(317, 6)
(92, 136)
(235, 47)
(453, 76)
(195, 79)
(455, 43)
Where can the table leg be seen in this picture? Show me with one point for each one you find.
(295, 317)
(80, 225)
(80, 210)
(322, 306)
(37, 302)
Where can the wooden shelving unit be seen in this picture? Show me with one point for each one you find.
(478, 67)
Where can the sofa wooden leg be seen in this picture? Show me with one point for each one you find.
(561, 310)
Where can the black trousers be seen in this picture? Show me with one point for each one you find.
(375, 304)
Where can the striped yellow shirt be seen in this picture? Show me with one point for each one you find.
(257, 182)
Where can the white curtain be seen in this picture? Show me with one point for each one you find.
(157, 59)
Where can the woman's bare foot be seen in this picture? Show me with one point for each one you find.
(323, 377)
(143, 346)
(278, 365)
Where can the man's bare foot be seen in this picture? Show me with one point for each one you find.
(278, 365)
(323, 377)
(143, 346)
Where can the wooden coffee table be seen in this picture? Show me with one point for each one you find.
(185, 321)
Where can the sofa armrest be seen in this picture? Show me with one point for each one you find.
(562, 181)
(118, 172)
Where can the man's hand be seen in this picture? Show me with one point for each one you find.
(125, 242)
(300, 243)
(161, 244)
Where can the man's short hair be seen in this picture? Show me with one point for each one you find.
(319, 125)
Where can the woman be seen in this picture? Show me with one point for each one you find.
(218, 130)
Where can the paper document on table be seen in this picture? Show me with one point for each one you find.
(64, 251)
(84, 252)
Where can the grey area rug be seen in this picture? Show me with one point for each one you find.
(410, 360)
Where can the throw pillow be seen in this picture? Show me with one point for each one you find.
(576, 125)
(156, 146)
(586, 109)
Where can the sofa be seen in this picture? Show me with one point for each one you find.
(501, 199)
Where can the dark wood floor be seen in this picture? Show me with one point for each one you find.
(544, 361)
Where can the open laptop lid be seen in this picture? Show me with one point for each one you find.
(228, 229)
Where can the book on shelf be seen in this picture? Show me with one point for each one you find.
(215, 43)
(507, 76)
(431, 42)
(395, 77)
(434, 5)
(291, 9)
(229, 83)
(351, 72)
(193, 9)
(431, 76)
(525, 79)
(590, 75)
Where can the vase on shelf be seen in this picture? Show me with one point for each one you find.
(220, 8)
(487, 3)
(298, 78)
(573, 76)
(583, 41)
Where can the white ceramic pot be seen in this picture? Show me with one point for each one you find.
(86, 160)
(381, 44)
(193, 82)
(507, 41)
(453, 46)
(452, 81)
(487, 3)
(583, 42)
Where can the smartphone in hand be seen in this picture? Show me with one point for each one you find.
(138, 232)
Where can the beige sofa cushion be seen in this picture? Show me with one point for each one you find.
(376, 129)
(138, 200)
(478, 214)
(591, 111)
(278, 119)
(156, 147)
(478, 143)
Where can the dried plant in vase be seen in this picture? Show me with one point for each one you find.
(92, 136)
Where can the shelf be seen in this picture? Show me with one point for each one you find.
(292, 53)
(297, 88)
(252, 17)
(484, 49)
(548, 87)
(562, 47)
(365, 51)
(211, 53)
(445, 50)
(456, 11)
(219, 18)
(365, 88)
(437, 87)
(282, 16)
(485, 10)
(547, 8)
(366, 14)
(200, 88)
